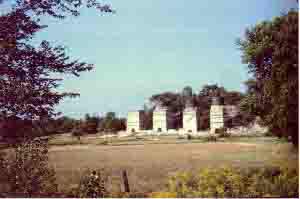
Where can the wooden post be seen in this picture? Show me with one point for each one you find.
(126, 183)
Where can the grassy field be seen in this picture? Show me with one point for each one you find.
(149, 161)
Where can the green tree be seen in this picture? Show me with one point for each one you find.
(271, 51)
(175, 104)
(110, 115)
(26, 71)
(90, 124)
(58, 125)
(78, 131)
(148, 117)
(111, 124)
(58, 9)
(187, 91)
(203, 101)
(248, 106)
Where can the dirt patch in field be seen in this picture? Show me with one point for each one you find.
(70, 147)
(247, 144)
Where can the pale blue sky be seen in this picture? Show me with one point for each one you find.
(153, 46)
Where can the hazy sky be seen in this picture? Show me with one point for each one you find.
(153, 46)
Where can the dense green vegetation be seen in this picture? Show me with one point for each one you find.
(26, 173)
(27, 82)
(89, 125)
(233, 182)
(202, 100)
(271, 51)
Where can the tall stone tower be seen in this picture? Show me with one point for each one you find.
(161, 119)
(135, 121)
(216, 114)
(190, 119)
(190, 113)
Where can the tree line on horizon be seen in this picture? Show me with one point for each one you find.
(175, 102)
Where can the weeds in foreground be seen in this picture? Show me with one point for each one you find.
(27, 174)
(92, 184)
(232, 182)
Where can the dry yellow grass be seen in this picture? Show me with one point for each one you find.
(149, 165)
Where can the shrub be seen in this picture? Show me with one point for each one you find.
(77, 133)
(221, 130)
(268, 134)
(210, 138)
(93, 184)
(180, 137)
(105, 142)
(274, 182)
(28, 173)
(224, 134)
(182, 185)
(232, 182)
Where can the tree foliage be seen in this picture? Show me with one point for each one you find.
(90, 124)
(27, 82)
(148, 116)
(204, 101)
(176, 103)
(27, 87)
(59, 125)
(111, 123)
(59, 9)
(271, 51)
